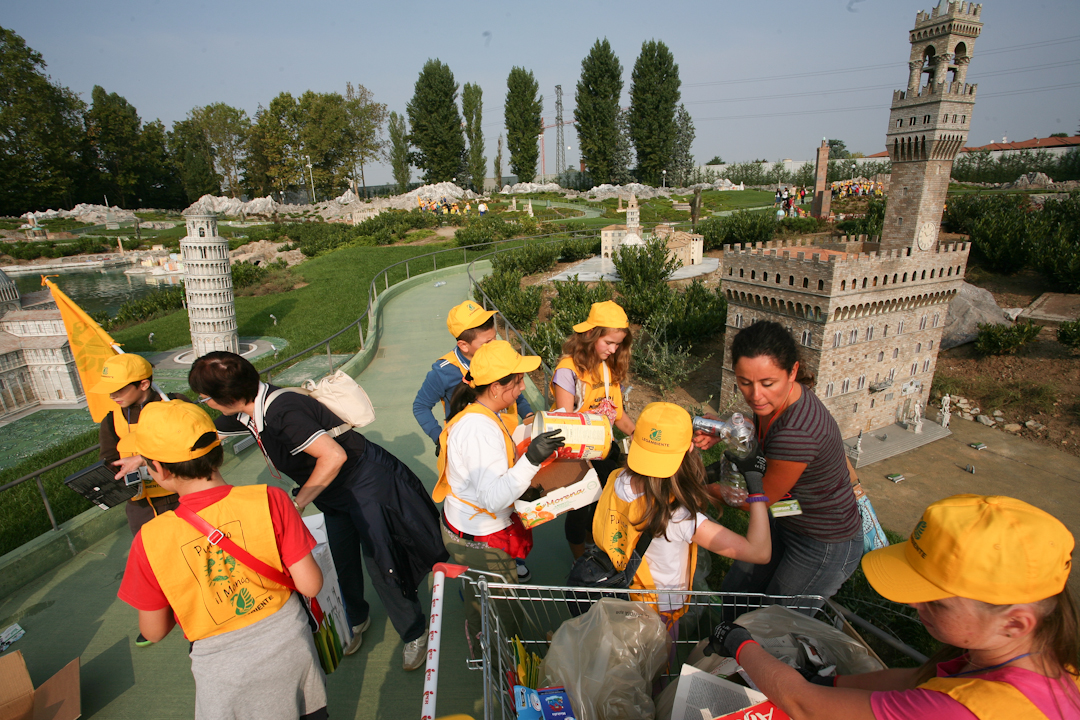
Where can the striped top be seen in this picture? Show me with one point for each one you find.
(806, 433)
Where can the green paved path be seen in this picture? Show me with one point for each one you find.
(73, 610)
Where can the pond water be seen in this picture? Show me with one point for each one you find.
(100, 290)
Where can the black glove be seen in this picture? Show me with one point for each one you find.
(755, 484)
(543, 445)
(713, 472)
(753, 463)
(438, 448)
(726, 639)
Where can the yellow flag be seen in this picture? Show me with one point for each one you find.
(90, 345)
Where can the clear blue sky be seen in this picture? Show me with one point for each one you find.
(746, 67)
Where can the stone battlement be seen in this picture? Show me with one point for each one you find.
(956, 11)
(782, 250)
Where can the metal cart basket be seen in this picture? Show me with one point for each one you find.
(533, 613)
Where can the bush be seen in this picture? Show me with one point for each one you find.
(156, 304)
(518, 305)
(546, 340)
(490, 228)
(573, 302)
(695, 314)
(802, 225)
(1068, 334)
(870, 225)
(1055, 241)
(579, 249)
(742, 227)
(643, 274)
(1005, 339)
(534, 258)
(664, 363)
(244, 274)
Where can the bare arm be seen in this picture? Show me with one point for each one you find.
(756, 547)
(625, 424)
(564, 399)
(307, 576)
(329, 457)
(796, 696)
(156, 624)
(882, 680)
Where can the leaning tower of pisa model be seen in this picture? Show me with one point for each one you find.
(208, 286)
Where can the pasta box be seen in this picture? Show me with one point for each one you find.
(567, 485)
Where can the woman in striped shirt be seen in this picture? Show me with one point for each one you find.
(816, 550)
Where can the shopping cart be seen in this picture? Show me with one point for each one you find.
(533, 613)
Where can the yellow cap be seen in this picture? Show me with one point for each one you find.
(466, 315)
(663, 434)
(991, 548)
(168, 431)
(498, 359)
(607, 314)
(121, 370)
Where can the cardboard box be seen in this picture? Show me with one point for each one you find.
(568, 485)
(56, 699)
(328, 606)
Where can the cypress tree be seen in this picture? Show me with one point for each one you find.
(523, 124)
(597, 110)
(472, 106)
(436, 124)
(399, 151)
(654, 97)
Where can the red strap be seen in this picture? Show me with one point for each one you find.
(216, 537)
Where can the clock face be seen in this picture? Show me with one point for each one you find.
(927, 235)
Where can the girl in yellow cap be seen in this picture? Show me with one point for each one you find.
(988, 576)
(595, 361)
(480, 474)
(661, 493)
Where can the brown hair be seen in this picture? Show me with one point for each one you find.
(772, 340)
(468, 334)
(664, 496)
(581, 347)
(1056, 639)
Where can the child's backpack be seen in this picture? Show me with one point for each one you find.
(339, 394)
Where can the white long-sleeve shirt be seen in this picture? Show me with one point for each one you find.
(477, 471)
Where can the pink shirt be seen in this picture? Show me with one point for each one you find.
(1056, 699)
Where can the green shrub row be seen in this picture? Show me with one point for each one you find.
(518, 305)
(478, 230)
(57, 249)
(1068, 334)
(742, 227)
(156, 304)
(1004, 339)
(871, 225)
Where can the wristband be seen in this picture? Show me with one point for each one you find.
(742, 645)
(757, 497)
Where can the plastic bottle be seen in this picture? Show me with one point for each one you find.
(742, 442)
(732, 485)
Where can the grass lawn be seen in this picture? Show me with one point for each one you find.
(720, 200)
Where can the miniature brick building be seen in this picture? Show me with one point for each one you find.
(208, 287)
(687, 248)
(869, 313)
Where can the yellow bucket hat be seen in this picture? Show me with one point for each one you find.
(663, 434)
(466, 315)
(498, 359)
(607, 314)
(167, 432)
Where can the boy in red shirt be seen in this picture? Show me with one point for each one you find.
(235, 618)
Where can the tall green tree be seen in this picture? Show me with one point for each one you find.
(255, 165)
(597, 110)
(623, 160)
(225, 129)
(158, 186)
(435, 124)
(682, 159)
(193, 160)
(472, 107)
(325, 140)
(113, 126)
(366, 120)
(654, 97)
(399, 151)
(523, 124)
(276, 137)
(838, 149)
(41, 133)
(498, 166)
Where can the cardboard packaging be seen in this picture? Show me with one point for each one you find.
(328, 607)
(551, 703)
(568, 485)
(57, 698)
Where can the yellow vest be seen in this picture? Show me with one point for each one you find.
(150, 488)
(615, 532)
(988, 699)
(210, 591)
(442, 487)
(592, 387)
(509, 415)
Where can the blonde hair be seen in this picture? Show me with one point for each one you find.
(581, 348)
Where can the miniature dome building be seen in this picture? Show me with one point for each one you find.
(208, 287)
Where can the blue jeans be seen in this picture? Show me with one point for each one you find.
(800, 565)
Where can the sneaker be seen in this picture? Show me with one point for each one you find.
(357, 637)
(142, 641)
(524, 575)
(414, 654)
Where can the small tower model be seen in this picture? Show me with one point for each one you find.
(208, 287)
(869, 312)
(929, 124)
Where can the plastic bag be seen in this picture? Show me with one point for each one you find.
(607, 659)
(836, 647)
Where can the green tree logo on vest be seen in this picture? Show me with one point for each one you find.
(242, 601)
(219, 566)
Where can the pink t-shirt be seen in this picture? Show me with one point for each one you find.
(1056, 699)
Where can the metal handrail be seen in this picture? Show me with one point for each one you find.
(36, 475)
(373, 291)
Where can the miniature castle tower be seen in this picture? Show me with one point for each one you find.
(929, 124)
(869, 313)
(208, 287)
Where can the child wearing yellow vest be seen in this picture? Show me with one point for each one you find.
(471, 327)
(661, 491)
(595, 361)
(252, 652)
(480, 474)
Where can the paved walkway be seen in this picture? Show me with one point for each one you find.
(597, 268)
(73, 611)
